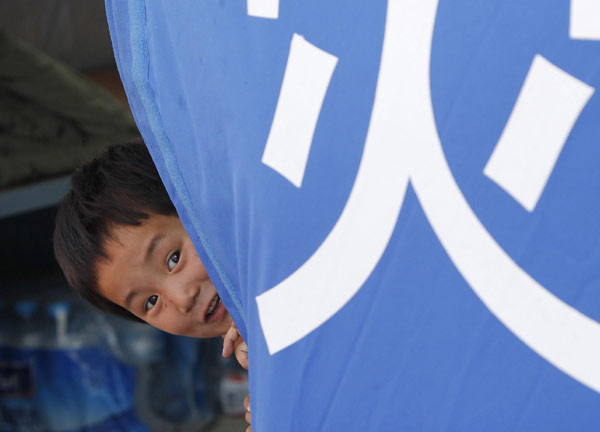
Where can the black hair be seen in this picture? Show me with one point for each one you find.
(120, 187)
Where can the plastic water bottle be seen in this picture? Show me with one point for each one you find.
(8, 323)
(133, 343)
(30, 325)
(59, 311)
(172, 393)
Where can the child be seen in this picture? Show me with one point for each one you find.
(122, 247)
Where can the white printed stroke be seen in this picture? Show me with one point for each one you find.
(546, 110)
(288, 311)
(305, 82)
(585, 20)
(263, 8)
(402, 142)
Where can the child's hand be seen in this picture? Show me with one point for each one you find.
(247, 416)
(234, 344)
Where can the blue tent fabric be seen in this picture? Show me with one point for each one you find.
(472, 301)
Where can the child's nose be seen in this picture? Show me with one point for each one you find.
(184, 296)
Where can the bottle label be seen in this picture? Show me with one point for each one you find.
(56, 390)
(16, 380)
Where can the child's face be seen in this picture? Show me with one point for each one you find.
(155, 273)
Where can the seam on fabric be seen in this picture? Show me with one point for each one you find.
(140, 67)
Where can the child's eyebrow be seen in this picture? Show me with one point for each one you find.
(152, 246)
(128, 299)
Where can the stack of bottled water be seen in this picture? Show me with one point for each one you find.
(175, 388)
(67, 367)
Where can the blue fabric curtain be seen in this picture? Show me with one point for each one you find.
(396, 200)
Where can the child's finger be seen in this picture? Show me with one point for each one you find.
(247, 403)
(247, 416)
(247, 407)
(229, 341)
(241, 353)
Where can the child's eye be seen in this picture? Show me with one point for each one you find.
(173, 260)
(150, 302)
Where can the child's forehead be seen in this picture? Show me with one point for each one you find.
(134, 239)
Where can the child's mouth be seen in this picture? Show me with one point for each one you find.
(214, 304)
